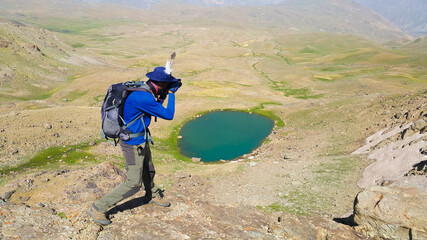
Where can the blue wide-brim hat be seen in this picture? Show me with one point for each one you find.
(160, 75)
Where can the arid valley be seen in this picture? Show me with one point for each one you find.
(346, 88)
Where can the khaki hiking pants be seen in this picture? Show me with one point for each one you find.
(139, 170)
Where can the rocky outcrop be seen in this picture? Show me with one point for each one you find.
(51, 205)
(392, 204)
(395, 211)
(396, 151)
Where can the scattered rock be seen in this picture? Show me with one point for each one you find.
(183, 175)
(24, 199)
(15, 151)
(55, 134)
(252, 164)
(419, 125)
(4, 43)
(296, 183)
(179, 137)
(397, 115)
(194, 159)
(47, 126)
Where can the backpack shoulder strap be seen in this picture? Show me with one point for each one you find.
(137, 86)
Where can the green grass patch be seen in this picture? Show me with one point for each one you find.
(170, 145)
(97, 100)
(72, 78)
(191, 73)
(286, 59)
(277, 207)
(73, 95)
(79, 26)
(324, 79)
(333, 172)
(278, 122)
(62, 215)
(301, 93)
(34, 93)
(315, 196)
(119, 161)
(52, 157)
(308, 50)
(77, 45)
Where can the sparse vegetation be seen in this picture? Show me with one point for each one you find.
(326, 87)
(52, 157)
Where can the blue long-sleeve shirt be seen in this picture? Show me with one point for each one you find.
(138, 102)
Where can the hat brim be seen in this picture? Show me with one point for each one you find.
(161, 78)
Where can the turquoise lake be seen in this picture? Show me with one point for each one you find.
(223, 135)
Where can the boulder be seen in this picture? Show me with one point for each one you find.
(395, 211)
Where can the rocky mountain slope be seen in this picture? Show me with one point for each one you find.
(52, 204)
(333, 16)
(408, 15)
(34, 61)
(332, 91)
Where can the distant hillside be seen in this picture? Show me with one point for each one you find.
(131, 3)
(231, 2)
(29, 62)
(297, 16)
(33, 61)
(147, 3)
(408, 15)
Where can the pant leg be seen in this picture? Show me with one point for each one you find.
(149, 173)
(134, 178)
(151, 189)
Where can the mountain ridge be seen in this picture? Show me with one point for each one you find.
(408, 15)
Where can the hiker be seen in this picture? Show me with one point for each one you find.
(139, 166)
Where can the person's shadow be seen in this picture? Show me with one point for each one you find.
(131, 204)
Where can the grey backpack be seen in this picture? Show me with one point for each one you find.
(114, 126)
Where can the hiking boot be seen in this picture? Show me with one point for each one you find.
(98, 217)
(159, 199)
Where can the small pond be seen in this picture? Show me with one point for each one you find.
(223, 135)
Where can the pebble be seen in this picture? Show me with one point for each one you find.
(296, 183)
